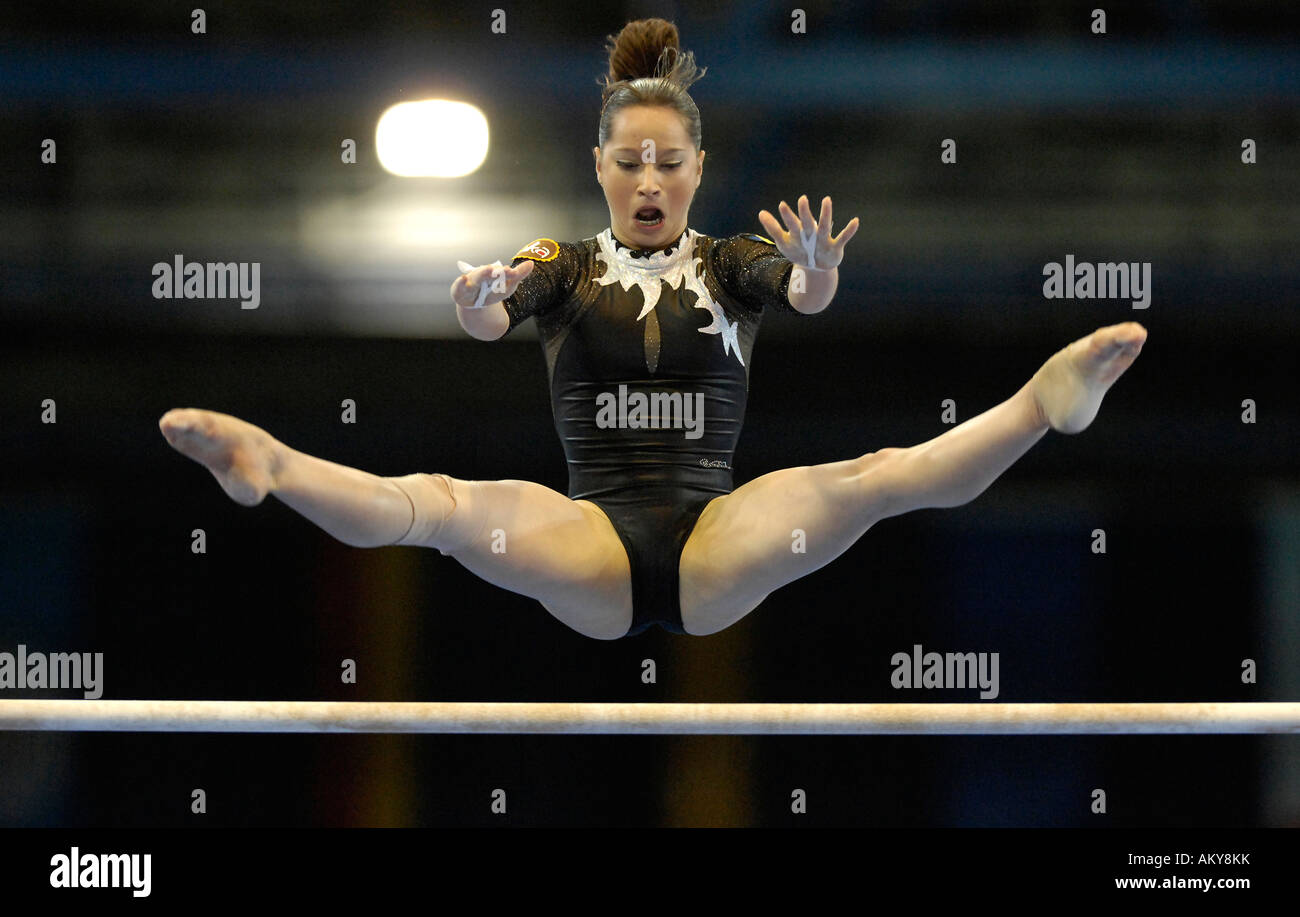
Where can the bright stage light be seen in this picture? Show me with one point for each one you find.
(435, 138)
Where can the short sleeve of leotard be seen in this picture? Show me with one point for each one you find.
(555, 271)
(753, 271)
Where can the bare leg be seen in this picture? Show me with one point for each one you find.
(357, 508)
(515, 534)
(786, 524)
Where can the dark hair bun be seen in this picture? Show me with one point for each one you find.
(649, 48)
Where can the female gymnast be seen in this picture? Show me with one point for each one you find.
(647, 330)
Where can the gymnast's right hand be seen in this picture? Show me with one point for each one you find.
(487, 284)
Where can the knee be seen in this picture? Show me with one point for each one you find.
(434, 503)
(883, 475)
(873, 461)
(885, 455)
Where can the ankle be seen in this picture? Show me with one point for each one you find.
(279, 463)
(1033, 404)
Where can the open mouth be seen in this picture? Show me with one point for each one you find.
(650, 217)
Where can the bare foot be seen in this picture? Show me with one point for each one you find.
(1069, 386)
(243, 458)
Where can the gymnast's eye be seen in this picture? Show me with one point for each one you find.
(623, 164)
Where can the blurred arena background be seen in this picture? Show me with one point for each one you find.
(226, 147)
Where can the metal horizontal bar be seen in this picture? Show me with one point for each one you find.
(647, 718)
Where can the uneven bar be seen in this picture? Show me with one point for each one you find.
(646, 719)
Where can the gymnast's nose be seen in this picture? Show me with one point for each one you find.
(648, 186)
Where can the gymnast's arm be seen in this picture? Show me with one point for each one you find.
(754, 271)
(814, 254)
(813, 292)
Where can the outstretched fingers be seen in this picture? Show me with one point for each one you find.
(827, 220)
(487, 280)
(791, 218)
(807, 223)
(847, 233)
(779, 235)
(805, 239)
(824, 221)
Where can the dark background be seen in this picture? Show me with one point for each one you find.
(225, 146)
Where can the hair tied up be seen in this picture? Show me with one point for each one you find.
(648, 67)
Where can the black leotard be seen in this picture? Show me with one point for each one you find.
(672, 330)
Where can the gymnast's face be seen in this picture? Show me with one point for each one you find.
(637, 183)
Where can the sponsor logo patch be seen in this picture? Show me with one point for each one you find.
(539, 250)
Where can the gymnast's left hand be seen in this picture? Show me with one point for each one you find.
(806, 241)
